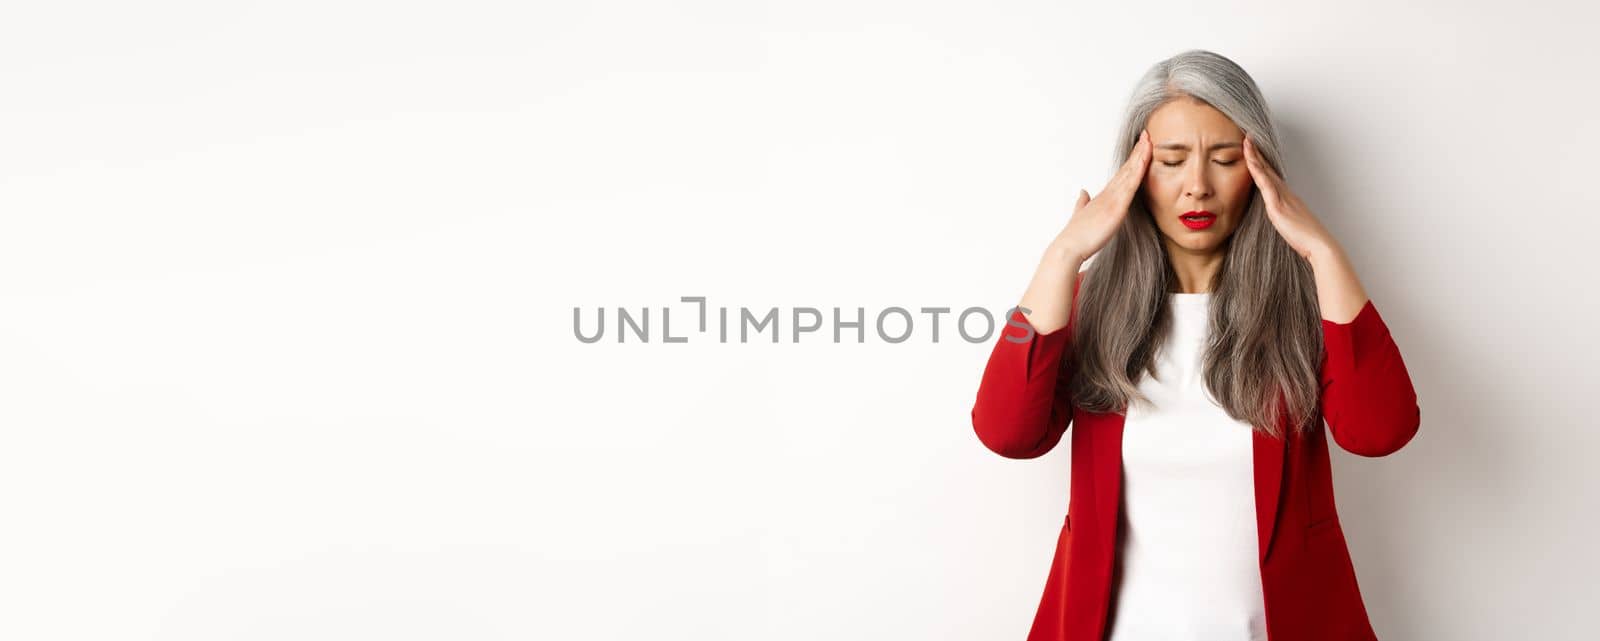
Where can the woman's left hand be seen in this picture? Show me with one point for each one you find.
(1288, 214)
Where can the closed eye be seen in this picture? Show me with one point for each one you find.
(1224, 163)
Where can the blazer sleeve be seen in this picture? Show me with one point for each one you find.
(1367, 396)
(1022, 409)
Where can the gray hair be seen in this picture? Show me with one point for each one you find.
(1262, 359)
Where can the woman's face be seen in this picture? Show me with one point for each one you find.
(1197, 164)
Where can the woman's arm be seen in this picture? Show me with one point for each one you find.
(1021, 409)
(1019, 413)
(1367, 395)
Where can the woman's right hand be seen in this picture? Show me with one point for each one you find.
(1049, 296)
(1094, 221)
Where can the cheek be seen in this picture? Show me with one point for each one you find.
(1157, 183)
(1158, 191)
(1238, 187)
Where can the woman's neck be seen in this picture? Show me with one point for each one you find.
(1194, 274)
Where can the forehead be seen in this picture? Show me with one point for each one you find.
(1186, 121)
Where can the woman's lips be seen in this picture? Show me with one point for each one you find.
(1197, 219)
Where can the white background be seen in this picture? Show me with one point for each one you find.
(286, 294)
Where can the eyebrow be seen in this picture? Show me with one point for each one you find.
(1183, 147)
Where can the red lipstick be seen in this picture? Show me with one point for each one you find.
(1197, 219)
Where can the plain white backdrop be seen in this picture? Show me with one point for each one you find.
(287, 289)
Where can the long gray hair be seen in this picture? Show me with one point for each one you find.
(1262, 357)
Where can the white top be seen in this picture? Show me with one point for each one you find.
(1187, 551)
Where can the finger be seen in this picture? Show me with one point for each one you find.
(1266, 180)
(1083, 199)
(1136, 155)
(1128, 176)
(1132, 175)
(1266, 168)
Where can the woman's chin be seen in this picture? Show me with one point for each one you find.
(1197, 242)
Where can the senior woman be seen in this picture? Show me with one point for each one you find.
(1195, 360)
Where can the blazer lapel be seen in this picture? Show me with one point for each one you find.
(1107, 461)
(1268, 453)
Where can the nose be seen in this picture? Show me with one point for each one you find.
(1196, 184)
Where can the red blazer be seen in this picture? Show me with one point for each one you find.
(1308, 582)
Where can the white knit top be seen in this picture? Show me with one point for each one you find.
(1187, 556)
